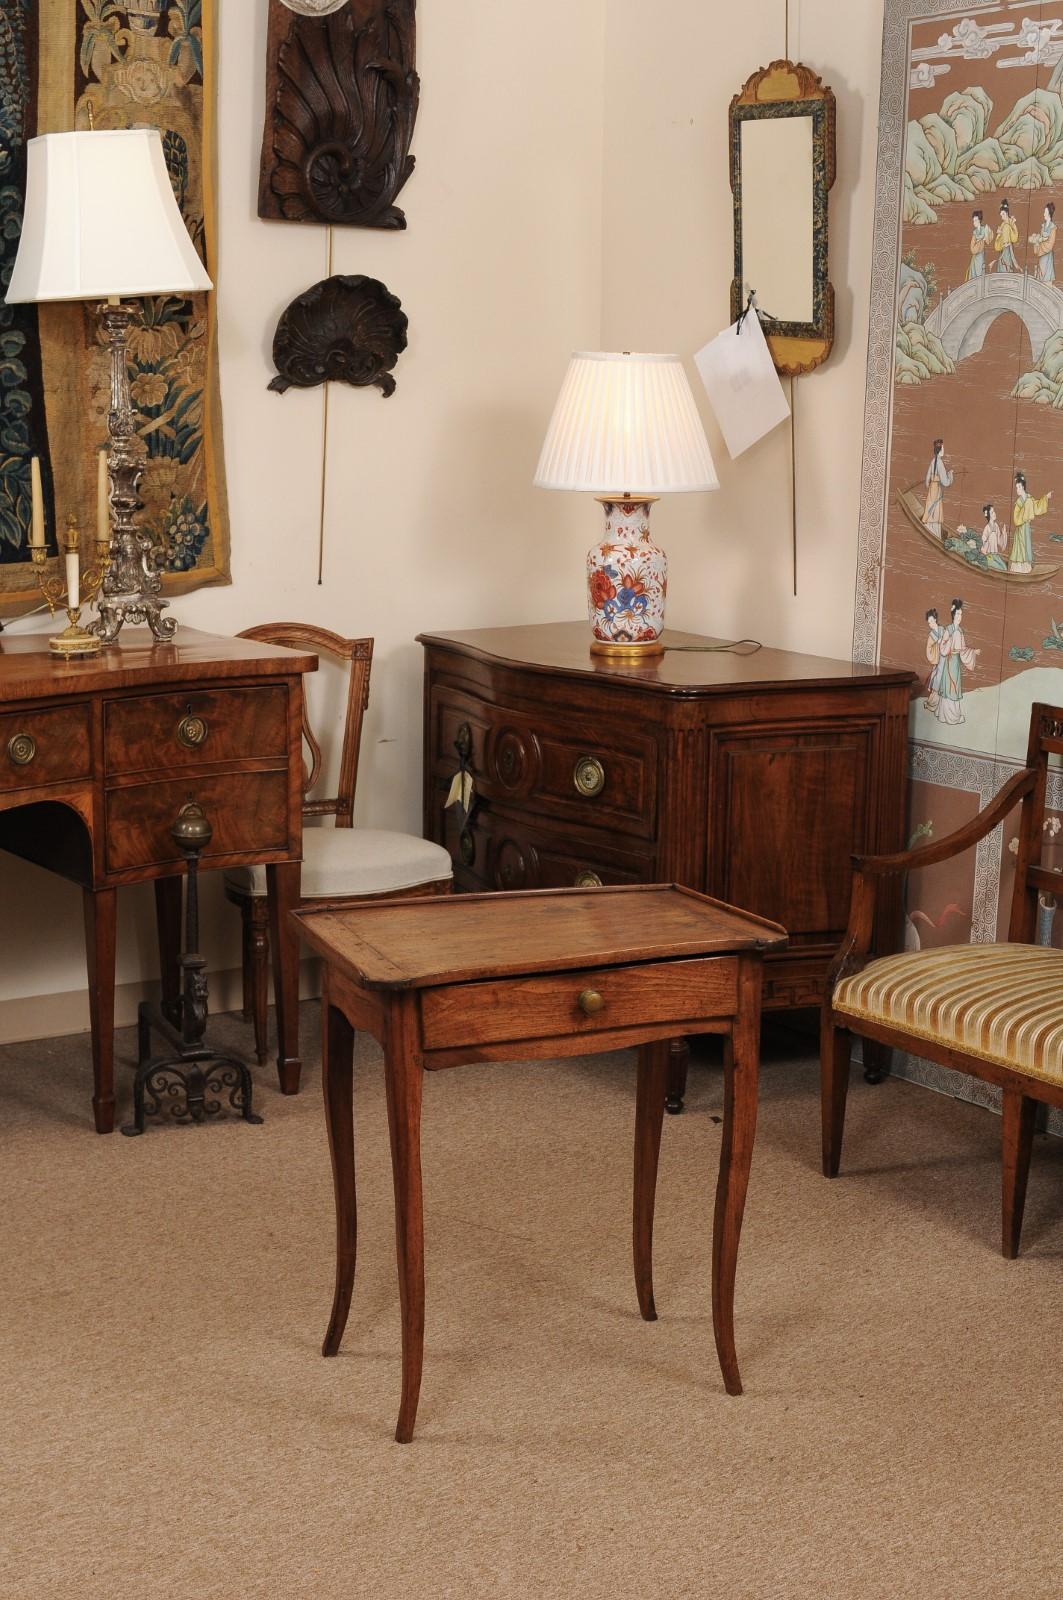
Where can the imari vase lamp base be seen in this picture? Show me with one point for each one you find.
(627, 581)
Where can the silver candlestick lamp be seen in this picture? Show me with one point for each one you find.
(100, 223)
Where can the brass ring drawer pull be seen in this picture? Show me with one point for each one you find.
(589, 776)
(590, 1001)
(192, 731)
(22, 748)
(587, 880)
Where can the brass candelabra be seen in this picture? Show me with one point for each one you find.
(70, 588)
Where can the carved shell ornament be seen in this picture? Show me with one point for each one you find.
(313, 8)
(351, 329)
(340, 121)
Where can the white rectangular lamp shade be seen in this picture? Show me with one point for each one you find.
(101, 219)
(626, 423)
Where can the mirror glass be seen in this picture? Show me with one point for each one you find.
(778, 207)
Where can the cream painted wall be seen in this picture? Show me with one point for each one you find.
(565, 197)
(667, 273)
(431, 518)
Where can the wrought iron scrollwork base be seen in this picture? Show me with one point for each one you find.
(175, 1086)
(180, 1088)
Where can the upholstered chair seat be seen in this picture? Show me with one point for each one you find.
(341, 862)
(1000, 1002)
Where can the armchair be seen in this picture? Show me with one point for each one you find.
(993, 1010)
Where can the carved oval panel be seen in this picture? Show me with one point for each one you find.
(516, 866)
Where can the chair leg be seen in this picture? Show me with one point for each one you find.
(260, 974)
(835, 1050)
(1019, 1116)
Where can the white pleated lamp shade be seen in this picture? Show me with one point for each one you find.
(626, 424)
(101, 219)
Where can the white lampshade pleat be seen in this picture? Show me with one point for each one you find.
(626, 423)
(101, 219)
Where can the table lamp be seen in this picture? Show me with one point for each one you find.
(101, 221)
(626, 429)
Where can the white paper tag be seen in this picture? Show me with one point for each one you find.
(461, 791)
(742, 384)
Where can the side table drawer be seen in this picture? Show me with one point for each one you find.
(247, 810)
(194, 728)
(40, 747)
(562, 1004)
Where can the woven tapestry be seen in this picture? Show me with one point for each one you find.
(960, 573)
(96, 64)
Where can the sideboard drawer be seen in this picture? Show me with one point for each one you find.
(562, 1004)
(588, 772)
(195, 728)
(247, 810)
(41, 747)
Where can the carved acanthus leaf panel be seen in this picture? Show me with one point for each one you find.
(341, 102)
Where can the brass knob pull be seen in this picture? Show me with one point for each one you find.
(587, 880)
(192, 731)
(589, 775)
(22, 747)
(590, 1001)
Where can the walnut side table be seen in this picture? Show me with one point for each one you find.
(443, 982)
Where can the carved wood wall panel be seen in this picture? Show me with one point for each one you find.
(341, 102)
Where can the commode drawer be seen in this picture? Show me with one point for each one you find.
(494, 850)
(41, 747)
(194, 728)
(591, 775)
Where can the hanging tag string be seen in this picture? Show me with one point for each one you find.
(751, 305)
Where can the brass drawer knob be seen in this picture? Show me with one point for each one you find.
(590, 1001)
(192, 731)
(587, 880)
(589, 776)
(22, 747)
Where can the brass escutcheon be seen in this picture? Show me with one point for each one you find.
(22, 747)
(589, 775)
(467, 847)
(192, 731)
(587, 880)
(590, 1001)
(463, 742)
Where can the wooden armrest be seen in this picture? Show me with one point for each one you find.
(955, 843)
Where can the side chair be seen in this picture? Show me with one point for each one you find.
(993, 1010)
(342, 864)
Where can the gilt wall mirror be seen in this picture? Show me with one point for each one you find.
(782, 169)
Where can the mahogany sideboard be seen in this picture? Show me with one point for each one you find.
(98, 757)
(751, 778)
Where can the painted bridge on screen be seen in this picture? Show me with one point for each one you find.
(962, 319)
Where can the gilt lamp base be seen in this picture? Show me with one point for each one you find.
(627, 581)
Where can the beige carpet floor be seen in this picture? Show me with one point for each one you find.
(169, 1430)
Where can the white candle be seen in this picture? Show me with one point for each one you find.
(73, 580)
(37, 498)
(103, 491)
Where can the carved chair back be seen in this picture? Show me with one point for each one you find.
(359, 652)
(1031, 876)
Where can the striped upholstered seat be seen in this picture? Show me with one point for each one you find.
(1000, 1002)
